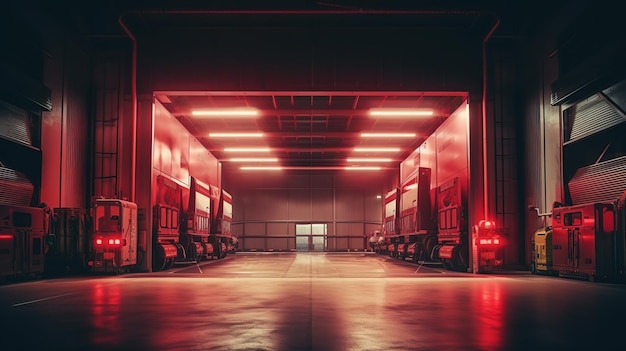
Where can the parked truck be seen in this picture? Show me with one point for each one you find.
(22, 246)
(114, 236)
(188, 227)
(420, 233)
(584, 236)
(425, 216)
(585, 241)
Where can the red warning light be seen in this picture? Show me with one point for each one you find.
(484, 224)
(493, 241)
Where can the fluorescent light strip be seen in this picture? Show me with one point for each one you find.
(236, 135)
(355, 168)
(388, 135)
(400, 112)
(261, 168)
(235, 112)
(370, 159)
(376, 149)
(252, 159)
(296, 168)
(246, 149)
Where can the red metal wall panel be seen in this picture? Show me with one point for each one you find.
(445, 152)
(166, 128)
(451, 141)
(177, 155)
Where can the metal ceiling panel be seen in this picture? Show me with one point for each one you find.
(312, 128)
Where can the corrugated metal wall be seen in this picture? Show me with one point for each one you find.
(603, 181)
(75, 187)
(14, 123)
(589, 116)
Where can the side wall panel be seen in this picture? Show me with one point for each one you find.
(65, 129)
(542, 127)
(452, 143)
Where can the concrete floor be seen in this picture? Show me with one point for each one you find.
(312, 302)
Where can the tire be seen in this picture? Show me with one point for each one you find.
(459, 261)
(224, 250)
(429, 245)
(217, 252)
(158, 258)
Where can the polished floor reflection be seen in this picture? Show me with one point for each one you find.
(312, 302)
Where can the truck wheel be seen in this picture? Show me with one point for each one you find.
(459, 260)
(158, 258)
(429, 246)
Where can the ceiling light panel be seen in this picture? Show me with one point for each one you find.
(236, 135)
(377, 149)
(399, 112)
(253, 159)
(357, 168)
(261, 168)
(388, 135)
(246, 149)
(229, 112)
(369, 159)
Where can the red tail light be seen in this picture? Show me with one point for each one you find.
(493, 241)
(110, 241)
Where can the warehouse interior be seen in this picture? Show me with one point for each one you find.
(313, 75)
(312, 175)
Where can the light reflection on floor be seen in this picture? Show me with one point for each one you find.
(311, 302)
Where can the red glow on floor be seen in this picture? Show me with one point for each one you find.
(488, 311)
(105, 313)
